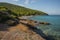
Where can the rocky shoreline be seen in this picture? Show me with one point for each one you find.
(25, 17)
(34, 22)
(22, 29)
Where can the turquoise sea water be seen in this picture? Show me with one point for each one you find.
(53, 29)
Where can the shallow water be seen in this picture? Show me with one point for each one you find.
(53, 29)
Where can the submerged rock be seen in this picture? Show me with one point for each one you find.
(45, 23)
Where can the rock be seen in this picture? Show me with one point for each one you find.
(10, 22)
(45, 23)
(20, 32)
(35, 21)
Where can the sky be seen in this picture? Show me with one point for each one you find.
(52, 7)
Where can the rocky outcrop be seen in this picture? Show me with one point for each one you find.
(19, 32)
(34, 23)
(45, 23)
(6, 16)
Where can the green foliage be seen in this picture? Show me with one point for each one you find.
(6, 14)
(21, 11)
(2, 8)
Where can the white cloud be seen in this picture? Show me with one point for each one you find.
(29, 1)
(15, 0)
(33, 1)
(26, 2)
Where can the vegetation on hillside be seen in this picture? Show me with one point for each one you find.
(21, 11)
(12, 12)
(7, 15)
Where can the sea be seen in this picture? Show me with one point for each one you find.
(53, 29)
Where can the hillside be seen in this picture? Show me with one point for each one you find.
(6, 14)
(21, 11)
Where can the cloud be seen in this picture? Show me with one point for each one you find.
(33, 1)
(26, 2)
(15, 0)
(29, 1)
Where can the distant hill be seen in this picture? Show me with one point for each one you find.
(21, 11)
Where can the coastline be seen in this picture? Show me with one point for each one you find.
(20, 29)
(25, 17)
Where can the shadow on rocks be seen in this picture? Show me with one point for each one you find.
(38, 31)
